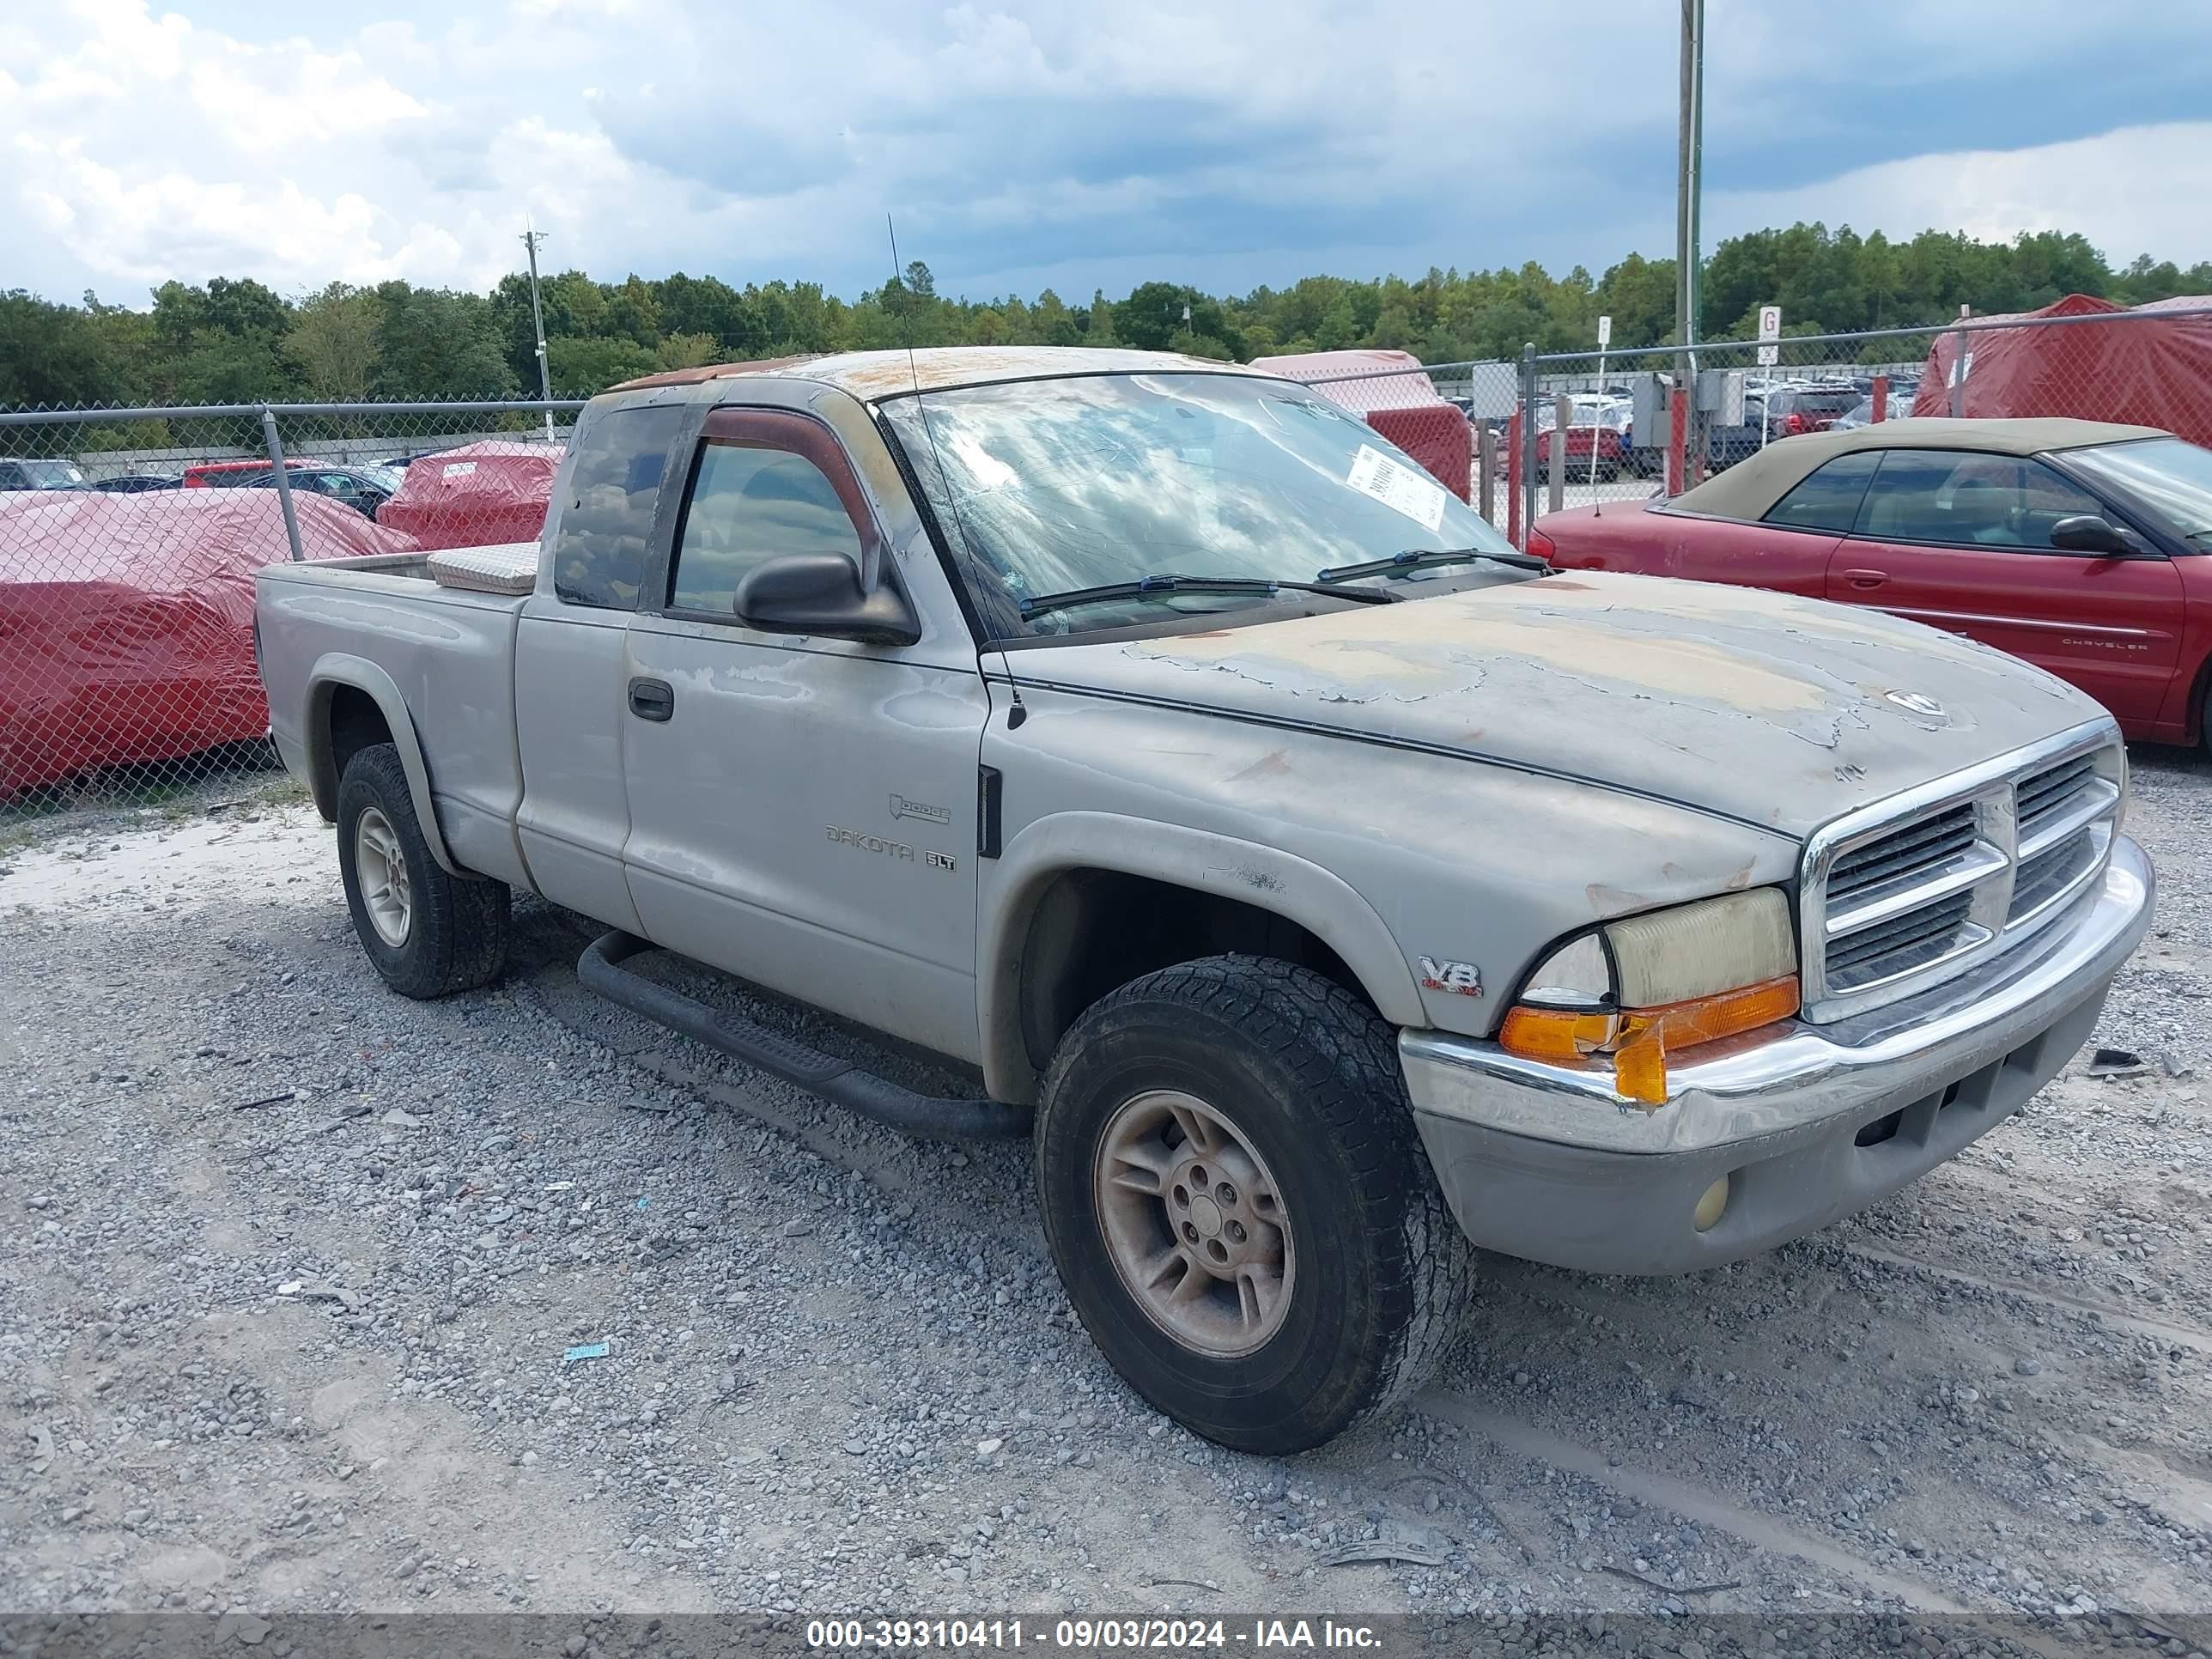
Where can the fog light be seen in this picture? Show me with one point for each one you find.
(1710, 1205)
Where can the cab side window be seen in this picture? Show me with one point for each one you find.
(607, 508)
(750, 505)
(1968, 499)
(1828, 498)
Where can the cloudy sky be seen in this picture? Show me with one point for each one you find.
(1224, 142)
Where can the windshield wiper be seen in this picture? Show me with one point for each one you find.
(1145, 587)
(1416, 559)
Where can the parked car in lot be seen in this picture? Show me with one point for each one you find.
(1897, 408)
(492, 491)
(1599, 423)
(364, 489)
(127, 621)
(223, 475)
(41, 475)
(1112, 724)
(2075, 545)
(1792, 410)
(135, 484)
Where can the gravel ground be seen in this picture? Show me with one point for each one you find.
(305, 1287)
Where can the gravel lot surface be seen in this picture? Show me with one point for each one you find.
(304, 1288)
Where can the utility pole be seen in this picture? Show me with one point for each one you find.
(1688, 185)
(531, 239)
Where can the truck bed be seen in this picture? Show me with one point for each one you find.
(449, 652)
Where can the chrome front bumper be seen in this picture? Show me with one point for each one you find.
(1548, 1162)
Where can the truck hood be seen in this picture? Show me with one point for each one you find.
(1768, 708)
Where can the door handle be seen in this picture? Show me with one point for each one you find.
(651, 700)
(1866, 578)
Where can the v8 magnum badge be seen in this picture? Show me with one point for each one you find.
(1462, 979)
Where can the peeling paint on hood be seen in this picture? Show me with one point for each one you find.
(1768, 708)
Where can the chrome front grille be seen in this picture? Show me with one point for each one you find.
(1905, 894)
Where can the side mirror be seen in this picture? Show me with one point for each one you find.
(2085, 532)
(820, 593)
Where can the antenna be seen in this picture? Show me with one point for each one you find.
(1019, 712)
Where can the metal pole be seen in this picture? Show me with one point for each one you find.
(529, 240)
(276, 446)
(1959, 367)
(1528, 424)
(1595, 408)
(1563, 415)
(1485, 472)
(1689, 162)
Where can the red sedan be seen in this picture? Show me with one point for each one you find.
(2076, 545)
(1597, 423)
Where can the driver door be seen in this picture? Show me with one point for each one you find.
(801, 809)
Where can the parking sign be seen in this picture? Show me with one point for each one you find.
(1770, 330)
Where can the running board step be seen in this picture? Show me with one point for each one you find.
(935, 1117)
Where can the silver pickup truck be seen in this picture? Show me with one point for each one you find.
(1303, 867)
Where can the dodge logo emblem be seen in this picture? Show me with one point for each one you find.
(1918, 703)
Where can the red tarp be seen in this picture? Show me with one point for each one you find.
(126, 622)
(478, 495)
(1403, 407)
(2141, 368)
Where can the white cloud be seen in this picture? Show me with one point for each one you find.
(2121, 190)
(1223, 141)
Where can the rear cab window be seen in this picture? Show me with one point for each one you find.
(1828, 497)
(606, 515)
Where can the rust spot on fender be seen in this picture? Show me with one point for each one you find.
(1613, 901)
(1269, 765)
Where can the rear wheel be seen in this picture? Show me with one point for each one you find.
(428, 933)
(1235, 1196)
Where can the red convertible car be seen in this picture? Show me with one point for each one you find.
(2079, 546)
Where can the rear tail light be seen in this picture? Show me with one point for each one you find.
(1795, 425)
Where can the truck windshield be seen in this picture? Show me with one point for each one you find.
(1056, 486)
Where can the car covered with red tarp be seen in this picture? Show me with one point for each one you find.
(2150, 365)
(126, 622)
(481, 495)
(1395, 395)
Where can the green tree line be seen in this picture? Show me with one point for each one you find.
(237, 341)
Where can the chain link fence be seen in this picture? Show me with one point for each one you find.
(129, 538)
(1562, 430)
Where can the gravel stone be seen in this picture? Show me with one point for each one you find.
(250, 1366)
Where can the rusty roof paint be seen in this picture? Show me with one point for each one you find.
(710, 372)
(871, 375)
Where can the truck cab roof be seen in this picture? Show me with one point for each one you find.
(873, 376)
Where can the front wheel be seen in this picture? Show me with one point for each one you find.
(1236, 1197)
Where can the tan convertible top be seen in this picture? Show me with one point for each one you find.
(1749, 490)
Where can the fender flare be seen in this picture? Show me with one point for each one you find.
(336, 668)
(1293, 888)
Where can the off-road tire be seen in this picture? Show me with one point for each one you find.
(1311, 1076)
(456, 936)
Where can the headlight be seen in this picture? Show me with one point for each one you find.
(1639, 989)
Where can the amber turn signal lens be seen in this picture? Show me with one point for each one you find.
(1705, 1019)
(1640, 1040)
(1554, 1034)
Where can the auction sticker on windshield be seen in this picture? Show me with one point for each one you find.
(1402, 488)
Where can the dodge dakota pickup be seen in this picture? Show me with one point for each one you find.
(1302, 867)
